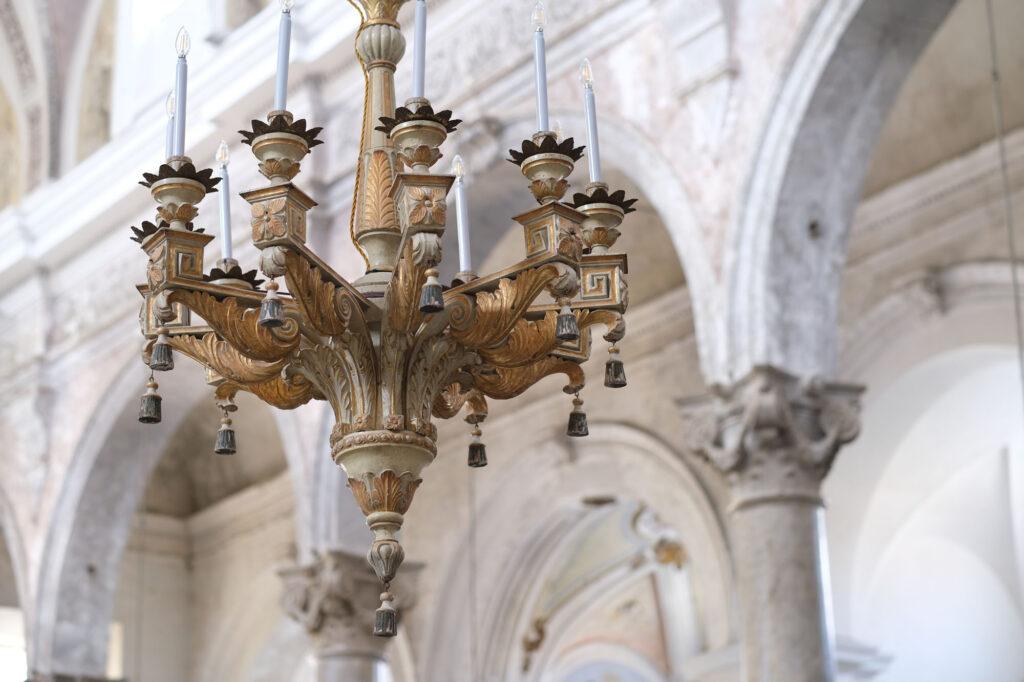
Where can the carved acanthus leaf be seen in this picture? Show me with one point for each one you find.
(508, 382)
(333, 373)
(492, 318)
(275, 392)
(379, 213)
(240, 326)
(402, 297)
(325, 307)
(218, 355)
(432, 367)
(388, 492)
(528, 342)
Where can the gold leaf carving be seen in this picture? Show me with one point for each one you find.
(490, 321)
(324, 306)
(433, 364)
(275, 393)
(219, 356)
(389, 492)
(239, 326)
(528, 342)
(508, 382)
(379, 213)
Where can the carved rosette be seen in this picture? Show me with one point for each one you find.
(773, 436)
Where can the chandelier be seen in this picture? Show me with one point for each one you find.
(394, 349)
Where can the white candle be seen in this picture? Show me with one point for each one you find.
(169, 146)
(182, 43)
(462, 215)
(540, 67)
(284, 44)
(590, 106)
(223, 156)
(419, 49)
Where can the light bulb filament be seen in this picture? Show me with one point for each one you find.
(183, 43)
(539, 16)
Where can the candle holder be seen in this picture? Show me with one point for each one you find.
(280, 145)
(418, 133)
(547, 163)
(605, 213)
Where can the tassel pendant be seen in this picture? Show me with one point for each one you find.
(431, 300)
(566, 327)
(225, 437)
(161, 358)
(385, 622)
(577, 420)
(477, 450)
(272, 309)
(149, 409)
(614, 370)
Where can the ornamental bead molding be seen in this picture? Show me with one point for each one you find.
(381, 43)
(772, 435)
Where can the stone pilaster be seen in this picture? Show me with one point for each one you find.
(774, 437)
(335, 599)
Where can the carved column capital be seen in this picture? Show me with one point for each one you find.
(773, 435)
(334, 598)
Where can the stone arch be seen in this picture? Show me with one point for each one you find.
(787, 247)
(617, 460)
(95, 511)
(87, 93)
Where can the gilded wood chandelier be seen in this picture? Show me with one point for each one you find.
(394, 349)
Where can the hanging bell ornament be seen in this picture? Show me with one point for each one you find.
(161, 358)
(577, 419)
(477, 450)
(149, 410)
(272, 309)
(566, 328)
(385, 623)
(431, 300)
(225, 437)
(614, 370)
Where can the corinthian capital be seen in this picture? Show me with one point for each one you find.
(772, 434)
(334, 598)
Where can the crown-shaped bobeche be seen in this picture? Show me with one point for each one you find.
(548, 145)
(149, 228)
(424, 113)
(185, 171)
(280, 124)
(600, 195)
(235, 272)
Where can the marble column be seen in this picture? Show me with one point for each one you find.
(773, 437)
(334, 598)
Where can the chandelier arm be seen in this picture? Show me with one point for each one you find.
(486, 319)
(218, 356)
(275, 392)
(326, 273)
(240, 326)
(324, 306)
(509, 382)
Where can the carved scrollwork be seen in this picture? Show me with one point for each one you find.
(325, 307)
(218, 355)
(275, 392)
(432, 367)
(528, 342)
(342, 375)
(495, 314)
(239, 326)
(508, 382)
